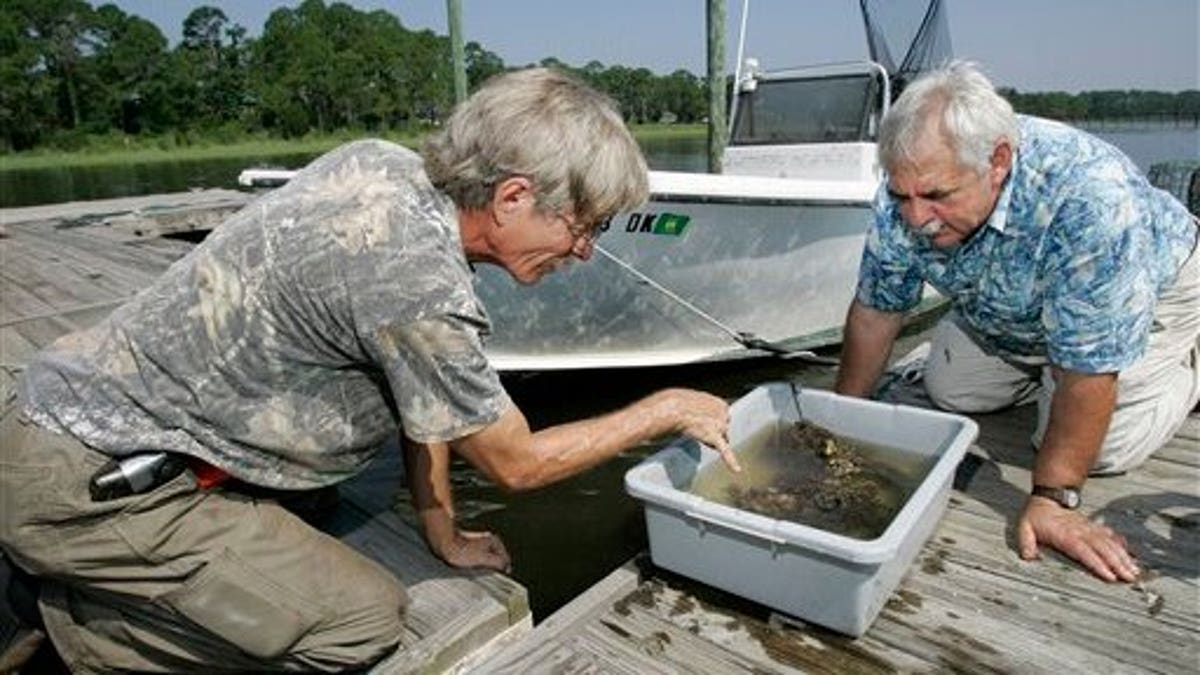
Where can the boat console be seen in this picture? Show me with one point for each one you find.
(817, 122)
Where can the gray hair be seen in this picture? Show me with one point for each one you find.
(566, 137)
(973, 117)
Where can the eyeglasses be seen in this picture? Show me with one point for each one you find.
(588, 234)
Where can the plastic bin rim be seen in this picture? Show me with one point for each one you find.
(870, 551)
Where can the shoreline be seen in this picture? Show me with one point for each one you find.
(151, 150)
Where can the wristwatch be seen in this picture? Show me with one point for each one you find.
(1067, 497)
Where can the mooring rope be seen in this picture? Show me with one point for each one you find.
(745, 338)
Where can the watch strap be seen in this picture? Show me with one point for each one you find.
(1068, 496)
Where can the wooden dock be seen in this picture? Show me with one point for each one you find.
(968, 604)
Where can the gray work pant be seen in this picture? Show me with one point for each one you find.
(1154, 394)
(183, 579)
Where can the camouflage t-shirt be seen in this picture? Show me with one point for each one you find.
(288, 346)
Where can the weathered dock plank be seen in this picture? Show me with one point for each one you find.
(99, 209)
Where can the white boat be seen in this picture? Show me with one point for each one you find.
(770, 249)
(760, 258)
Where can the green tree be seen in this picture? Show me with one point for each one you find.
(482, 65)
(209, 78)
(290, 63)
(319, 67)
(683, 94)
(128, 61)
(1187, 106)
(429, 54)
(27, 108)
(59, 32)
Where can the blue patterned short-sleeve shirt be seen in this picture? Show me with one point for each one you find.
(1068, 267)
(298, 337)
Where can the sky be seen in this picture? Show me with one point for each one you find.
(1032, 45)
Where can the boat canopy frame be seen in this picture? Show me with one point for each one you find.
(826, 103)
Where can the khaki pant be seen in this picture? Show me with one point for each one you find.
(1154, 394)
(183, 579)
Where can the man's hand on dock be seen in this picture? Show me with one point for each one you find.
(473, 550)
(1099, 548)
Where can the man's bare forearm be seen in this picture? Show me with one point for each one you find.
(427, 466)
(567, 449)
(866, 346)
(1080, 412)
(519, 460)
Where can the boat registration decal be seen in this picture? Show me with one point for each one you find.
(667, 224)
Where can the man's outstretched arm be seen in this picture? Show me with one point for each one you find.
(516, 459)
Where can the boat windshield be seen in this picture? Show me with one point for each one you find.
(829, 109)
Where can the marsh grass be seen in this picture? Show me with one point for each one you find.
(122, 149)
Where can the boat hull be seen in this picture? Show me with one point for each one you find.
(706, 256)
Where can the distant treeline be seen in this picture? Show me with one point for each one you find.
(74, 76)
(1110, 105)
(70, 73)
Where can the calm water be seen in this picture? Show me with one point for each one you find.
(566, 537)
(65, 184)
(1150, 146)
(47, 186)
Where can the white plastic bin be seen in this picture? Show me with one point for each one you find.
(837, 581)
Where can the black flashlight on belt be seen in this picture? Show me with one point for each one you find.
(134, 474)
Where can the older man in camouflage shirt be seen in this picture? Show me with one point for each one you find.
(284, 351)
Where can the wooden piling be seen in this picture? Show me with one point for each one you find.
(716, 84)
(457, 53)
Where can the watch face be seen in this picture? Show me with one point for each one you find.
(1069, 498)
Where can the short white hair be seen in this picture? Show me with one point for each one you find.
(565, 136)
(973, 117)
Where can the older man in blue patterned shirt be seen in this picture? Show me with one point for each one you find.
(1073, 282)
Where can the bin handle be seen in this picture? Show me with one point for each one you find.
(774, 539)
